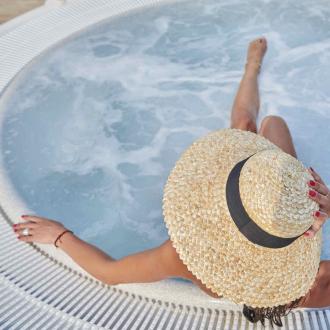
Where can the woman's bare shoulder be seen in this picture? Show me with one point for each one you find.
(323, 275)
(181, 270)
(325, 272)
(319, 295)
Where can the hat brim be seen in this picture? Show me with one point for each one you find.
(208, 241)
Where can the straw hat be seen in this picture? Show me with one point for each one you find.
(235, 206)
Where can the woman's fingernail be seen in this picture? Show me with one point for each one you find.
(317, 213)
(24, 216)
(312, 183)
(311, 168)
(306, 233)
(312, 193)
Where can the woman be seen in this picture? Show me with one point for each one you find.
(164, 262)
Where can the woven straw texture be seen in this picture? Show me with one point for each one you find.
(273, 188)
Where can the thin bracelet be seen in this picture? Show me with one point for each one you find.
(59, 236)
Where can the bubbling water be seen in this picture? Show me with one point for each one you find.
(94, 126)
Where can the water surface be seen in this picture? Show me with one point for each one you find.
(95, 125)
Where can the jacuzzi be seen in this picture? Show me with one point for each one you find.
(98, 100)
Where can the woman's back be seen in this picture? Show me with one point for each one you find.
(317, 297)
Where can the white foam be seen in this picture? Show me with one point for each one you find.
(105, 116)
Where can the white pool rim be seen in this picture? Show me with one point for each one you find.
(22, 40)
(28, 38)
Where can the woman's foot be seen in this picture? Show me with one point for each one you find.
(256, 51)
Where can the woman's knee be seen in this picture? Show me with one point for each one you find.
(272, 120)
(245, 122)
(275, 129)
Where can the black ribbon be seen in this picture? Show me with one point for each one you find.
(242, 220)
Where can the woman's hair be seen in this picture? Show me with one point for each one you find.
(274, 314)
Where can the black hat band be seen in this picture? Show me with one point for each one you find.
(244, 223)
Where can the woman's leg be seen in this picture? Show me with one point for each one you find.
(275, 129)
(163, 261)
(246, 104)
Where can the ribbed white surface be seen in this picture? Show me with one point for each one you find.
(37, 290)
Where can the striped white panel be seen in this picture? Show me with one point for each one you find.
(322, 320)
(314, 320)
(109, 299)
(114, 308)
(164, 317)
(327, 317)
(138, 319)
(172, 317)
(227, 319)
(157, 317)
(204, 319)
(87, 303)
(38, 293)
(150, 312)
(121, 321)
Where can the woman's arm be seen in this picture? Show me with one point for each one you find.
(146, 266)
(86, 255)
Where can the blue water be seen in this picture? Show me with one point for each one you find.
(95, 125)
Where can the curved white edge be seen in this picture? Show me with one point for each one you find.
(39, 30)
(21, 41)
(46, 308)
(18, 20)
(31, 14)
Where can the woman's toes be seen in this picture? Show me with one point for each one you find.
(263, 41)
(256, 52)
(258, 47)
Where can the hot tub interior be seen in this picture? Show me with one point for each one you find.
(93, 126)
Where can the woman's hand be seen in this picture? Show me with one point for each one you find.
(320, 193)
(41, 230)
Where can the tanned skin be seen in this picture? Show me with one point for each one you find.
(163, 262)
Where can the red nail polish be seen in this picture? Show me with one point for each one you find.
(306, 234)
(312, 168)
(317, 213)
(312, 193)
(312, 183)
